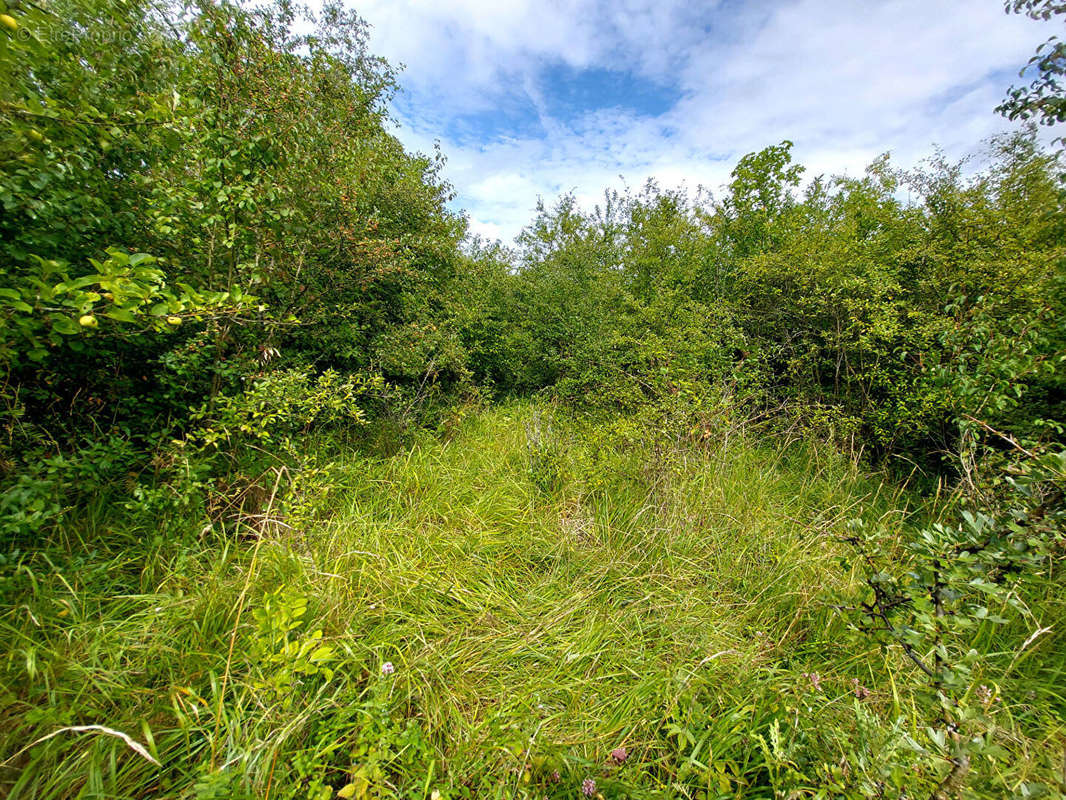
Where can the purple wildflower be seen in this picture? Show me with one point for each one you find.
(387, 668)
(556, 777)
(815, 680)
(861, 691)
(618, 755)
(588, 787)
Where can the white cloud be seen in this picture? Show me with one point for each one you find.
(844, 79)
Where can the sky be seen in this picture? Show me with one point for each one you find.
(532, 99)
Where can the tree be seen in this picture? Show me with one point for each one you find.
(1043, 100)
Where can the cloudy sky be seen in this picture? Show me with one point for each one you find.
(535, 98)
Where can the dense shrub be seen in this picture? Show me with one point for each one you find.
(888, 306)
(194, 197)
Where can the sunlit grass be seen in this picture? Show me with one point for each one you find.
(541, 609)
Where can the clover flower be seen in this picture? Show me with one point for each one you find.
(387, 668)
(588, 787)
(618, 755)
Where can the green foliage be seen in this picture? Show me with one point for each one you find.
(1045, 98)
(282, 404)
(42, 494)
(222, 510)
(879, 320)
(547, 461)
(288, 656)
(678, 604)
(125, 289)
(939, 595)
(247, 150)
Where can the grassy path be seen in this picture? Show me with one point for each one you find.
(527, 581)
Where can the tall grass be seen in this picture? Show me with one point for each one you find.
(545, 593)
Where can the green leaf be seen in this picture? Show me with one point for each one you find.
(65, 325)
(121, 315)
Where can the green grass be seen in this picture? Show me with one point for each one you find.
(545, 591)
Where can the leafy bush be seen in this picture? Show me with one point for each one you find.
(280, 405)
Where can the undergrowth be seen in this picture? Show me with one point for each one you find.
(531, 605)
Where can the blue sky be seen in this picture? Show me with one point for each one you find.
(532, 99)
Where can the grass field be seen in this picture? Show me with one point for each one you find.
(489, 613)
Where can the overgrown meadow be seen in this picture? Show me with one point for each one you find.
(305, 493)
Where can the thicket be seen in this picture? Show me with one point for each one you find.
(201, 200)
(886, 308)
(213, 251)
(202, 204)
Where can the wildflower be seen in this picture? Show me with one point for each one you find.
(861, 691)
(815, 679)
(556, 777)
(588, 787)
(984, 694)
(387, 668)
(618, 755)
